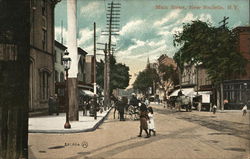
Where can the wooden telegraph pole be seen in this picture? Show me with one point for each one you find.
(113, 27)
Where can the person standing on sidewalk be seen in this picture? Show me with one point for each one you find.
(56, 103)
(244, 110)
(151, 123)
(214, 109)
(51, 104)
(143, 120)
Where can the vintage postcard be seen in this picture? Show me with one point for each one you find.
(167, 79)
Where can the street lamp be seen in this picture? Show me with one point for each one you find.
(66, 63)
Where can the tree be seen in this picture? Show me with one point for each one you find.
(214, 47)
(146, 79)
(119, 74)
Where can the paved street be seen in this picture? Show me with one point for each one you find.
(180, 135)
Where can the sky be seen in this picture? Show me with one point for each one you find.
(146, 26)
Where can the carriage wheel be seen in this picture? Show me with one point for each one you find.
(131, 112)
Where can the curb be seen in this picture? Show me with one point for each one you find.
(73, 131)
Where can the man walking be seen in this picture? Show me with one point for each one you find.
(120, 107)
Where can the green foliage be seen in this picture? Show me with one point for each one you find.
(215, 48)
(119, 74)
(145, 79)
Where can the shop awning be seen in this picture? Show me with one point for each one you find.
(205, 96)
(186, 91)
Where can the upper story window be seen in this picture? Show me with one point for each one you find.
(55, 57)
(61, 58)
(44, 39)
(43, 4)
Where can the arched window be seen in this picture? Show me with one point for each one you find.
(44, 83)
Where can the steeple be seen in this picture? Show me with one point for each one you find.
(148, 64)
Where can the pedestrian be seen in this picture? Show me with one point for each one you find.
(146, 102)
(51, 104)
(199, 106)
(151, 124)
(56, 103)
(121, 107)
(214, 109)
(244, 110)
(143, 120)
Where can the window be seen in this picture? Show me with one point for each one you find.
(44, 85)
(56, 77)
(61, 58)
(44, 41)
(55, 57)
(43, 4)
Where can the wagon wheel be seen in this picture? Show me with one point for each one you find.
(130, 112)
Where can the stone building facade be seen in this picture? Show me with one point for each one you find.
(41, 53)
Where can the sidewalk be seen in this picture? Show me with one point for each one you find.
(55, 124)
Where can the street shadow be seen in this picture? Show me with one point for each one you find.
(129, 146)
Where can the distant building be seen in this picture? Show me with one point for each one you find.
(167, 85)
(89, 70)
(59, 68)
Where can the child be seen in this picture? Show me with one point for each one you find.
(151, 124)
(244, 110)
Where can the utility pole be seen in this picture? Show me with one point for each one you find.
(94, 58)
(105, 50)
(105, 78)
(224, 21)
(221, 101)
(113, 28)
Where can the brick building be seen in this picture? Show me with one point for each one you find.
(237, 91)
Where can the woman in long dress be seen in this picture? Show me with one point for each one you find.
(143, 120)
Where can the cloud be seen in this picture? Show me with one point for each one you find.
(92, 9)
(58, 34)
(84, 36)
(136, 29)
(132, 26)
(170, 16)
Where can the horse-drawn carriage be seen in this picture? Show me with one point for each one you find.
(183, 102)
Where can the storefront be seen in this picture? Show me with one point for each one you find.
(237, 93)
